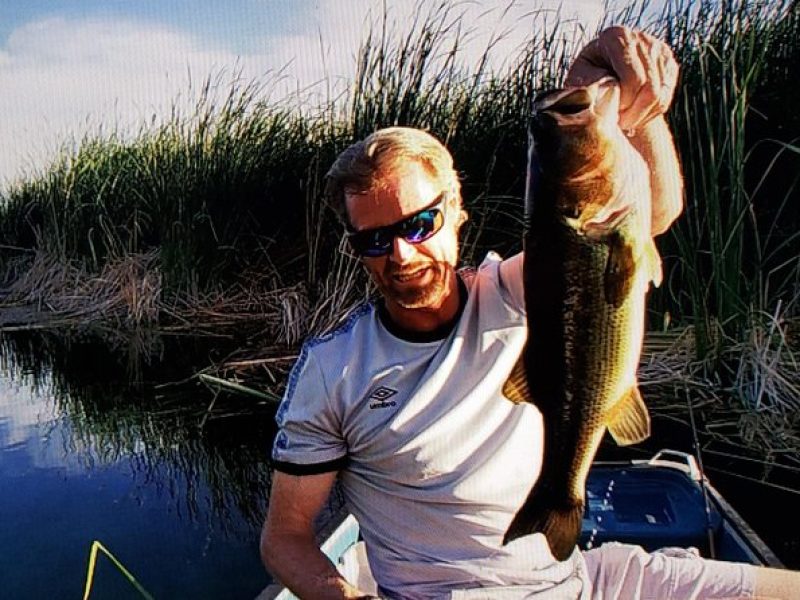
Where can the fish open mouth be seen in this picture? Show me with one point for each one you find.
(564, 102)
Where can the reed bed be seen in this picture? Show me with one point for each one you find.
(213, 220)
(737, 245)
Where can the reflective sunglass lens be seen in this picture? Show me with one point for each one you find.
(419, 227)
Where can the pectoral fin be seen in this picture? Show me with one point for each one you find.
(620, 269)
(628, 421)
(516, 386)
(653, 259)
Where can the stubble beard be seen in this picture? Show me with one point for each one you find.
(418, 296)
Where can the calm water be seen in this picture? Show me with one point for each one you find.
(176, 494)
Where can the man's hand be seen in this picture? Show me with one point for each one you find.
(647, 72)
(645, 67)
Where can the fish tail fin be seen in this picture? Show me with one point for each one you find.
(561, 525)
(628, 420)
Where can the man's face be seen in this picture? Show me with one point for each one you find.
(411, 276)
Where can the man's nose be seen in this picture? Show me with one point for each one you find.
(402, 251)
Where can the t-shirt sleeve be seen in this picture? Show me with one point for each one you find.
(309, 438)
(511, 281)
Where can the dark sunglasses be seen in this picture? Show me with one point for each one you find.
(414, 229)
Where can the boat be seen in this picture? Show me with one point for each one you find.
(664, 501)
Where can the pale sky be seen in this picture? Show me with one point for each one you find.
(72, 66)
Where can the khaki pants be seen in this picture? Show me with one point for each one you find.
(624, 572)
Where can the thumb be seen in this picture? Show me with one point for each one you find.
(583, 72)
(589, 66)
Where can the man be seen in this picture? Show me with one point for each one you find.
(404, 403)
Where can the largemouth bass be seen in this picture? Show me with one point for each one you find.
(589, 260)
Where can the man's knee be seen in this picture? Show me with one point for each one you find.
(777, 583)
(626, 571)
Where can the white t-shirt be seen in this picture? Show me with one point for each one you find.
(434, 461)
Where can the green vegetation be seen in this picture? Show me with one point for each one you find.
(736, 274)
(213, 219)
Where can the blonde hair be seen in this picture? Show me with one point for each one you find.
(362, 166)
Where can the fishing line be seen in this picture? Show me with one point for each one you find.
(754, 480)
(709, 528)
(766, 463)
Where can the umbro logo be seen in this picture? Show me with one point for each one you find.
(379, 397)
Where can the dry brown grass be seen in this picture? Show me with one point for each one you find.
(126, 291)
(755, 407)
(128, 294)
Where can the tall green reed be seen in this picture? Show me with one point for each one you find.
(235, 185)
(201, 189)
(730, 259)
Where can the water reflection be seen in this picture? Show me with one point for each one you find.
(85, 453)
